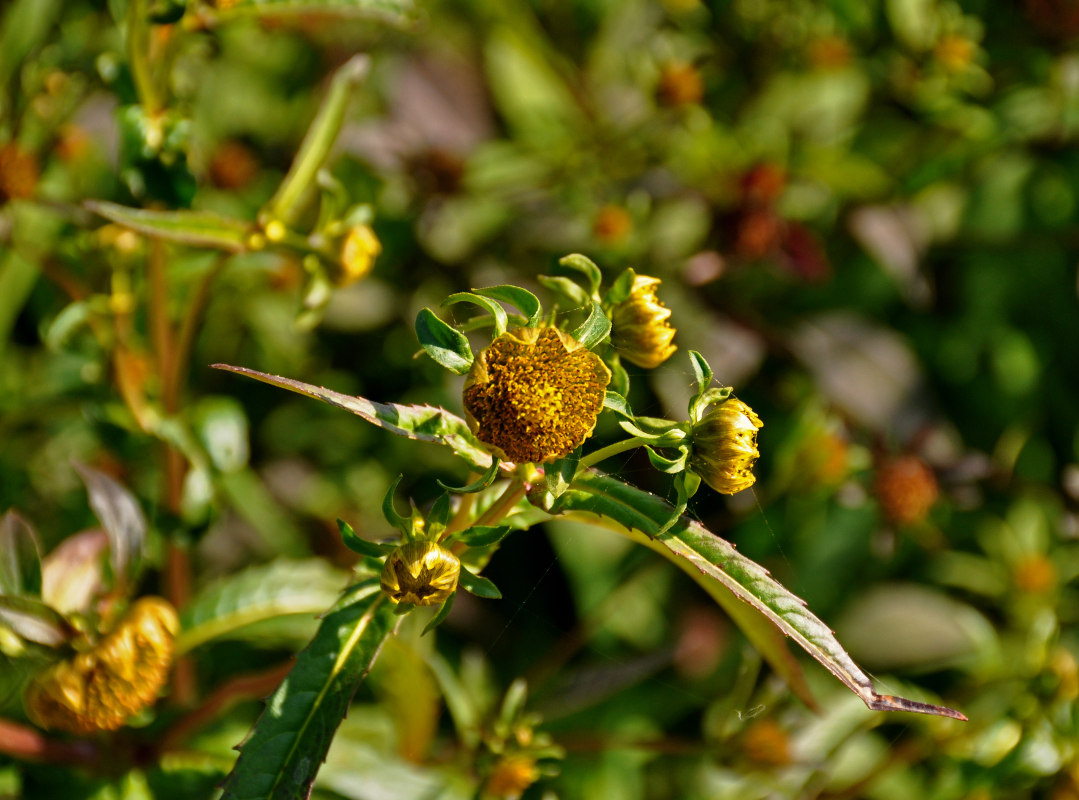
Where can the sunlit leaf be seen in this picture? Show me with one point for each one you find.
(694, 548)
(282, 755)
(33, 620)
(423, 423)
(445, 345)
(193, 228)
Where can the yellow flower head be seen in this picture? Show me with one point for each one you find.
(421, 574)
(640, 330)
(535, 394)
(121, 675)
(512, 775)
(725, 446)
(358, 254)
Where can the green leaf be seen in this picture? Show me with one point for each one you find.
(284, 587)
(621, 289)
(357, 544)
(422, 423)
(120, 516)
(565, 287)
(558, 474)
(20, 557)
(477, 486)
(618, 404)
(193, 228)
(446, 345)
(438, 516)
(33, 620)
(389, 511)
(393, 12)
(730, 577)
(594, 329)
(667, 465)
(281, 756)
(480, 535)
(443, 612)
(521, 299)
(619, 377)
(478, 585)
(494, 308)
(585, 266)
(701, 370)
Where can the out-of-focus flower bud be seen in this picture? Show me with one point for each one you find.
(420, 574)
(765, 742)
(118, 677)
(680, 84)
(640, 329)
(511, 776)
(725, 446)
(18, 172)
(906, 488)
(612, 224)
(358, 253)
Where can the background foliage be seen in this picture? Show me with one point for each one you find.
(864, 215)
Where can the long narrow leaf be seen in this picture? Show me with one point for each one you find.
(194, 228)
(641, 515)
(423, 423)
(282, 755)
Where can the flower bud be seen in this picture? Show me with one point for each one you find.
(118, 677)
(725, 446)
(511, 776)
(640, 330)
(907, 489)
(358, 253)
(420, 574)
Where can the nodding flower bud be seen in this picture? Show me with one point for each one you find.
(421, 574)
(358, 253)
(725, 446)
(640, 330)
(118, 677)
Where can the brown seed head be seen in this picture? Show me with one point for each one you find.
(535, 394)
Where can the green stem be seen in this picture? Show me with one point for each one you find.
(284, 205)
(604, 453)
(510, 496)
(138, 51)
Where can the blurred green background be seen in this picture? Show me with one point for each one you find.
(864, 213)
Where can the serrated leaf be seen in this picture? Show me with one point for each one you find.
(444, 344)
(194, 228)
(521, 299)
(728, 574)
(33, 620)
(120, 516)
(423, 423)
(495, 309)
(594, 329)
(20, 557)
(357, 544)
(264, 592)
(478, 585)
(282, 755)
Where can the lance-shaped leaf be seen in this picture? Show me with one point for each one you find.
(269, 591)
(594, 329)
(521, 299)
(393, 12)
(423, 423)
(34, 621)
(446, 345)
(486, 303)
(122, 519)
(697, 550)
(357, 544)
(20, 557)
(194, 228)
(282, 755)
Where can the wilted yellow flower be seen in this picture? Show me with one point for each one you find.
(358, 254)
(512, 775)
(640, 330)
(535, 394)
(421, 574)
(119, 676)
(725, 446)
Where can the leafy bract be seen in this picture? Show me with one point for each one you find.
(20, 557)
(122, 519)
(282, 755)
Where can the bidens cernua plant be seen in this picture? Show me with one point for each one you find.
(531, 399)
